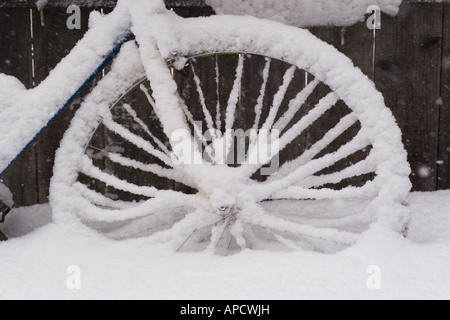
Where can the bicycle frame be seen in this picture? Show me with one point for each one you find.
(221, 190)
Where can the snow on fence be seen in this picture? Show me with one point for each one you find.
(411, 67)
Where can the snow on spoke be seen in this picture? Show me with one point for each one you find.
(99, 199)
(279, 97)
(149, 99)
(152, 206)
(182, 231)
(295, 105)
(158, 220)
(259, 107)
(323, 106)
(286, 242)
(218, 107)
(277, 101)
(363, 167)
(144, 127)
(232, 104)
(234, 95)
(218, 233)
(136, 140)
(172, 174)
(260, 102)
(198, 134)
(259, 218)
(359, 217)
(208, 117)
(265, 190)
(197, 131)
(344, 124)
(88, 168)
(301, 193)
(237, 231)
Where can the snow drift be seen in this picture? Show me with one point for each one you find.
(304, 13)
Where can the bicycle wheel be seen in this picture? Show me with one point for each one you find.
(335, 162)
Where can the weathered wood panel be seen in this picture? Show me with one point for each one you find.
(444, 105)
(15, 60)
(408, 75)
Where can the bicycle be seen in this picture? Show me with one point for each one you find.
(125, 165)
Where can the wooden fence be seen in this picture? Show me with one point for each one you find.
(411, 67)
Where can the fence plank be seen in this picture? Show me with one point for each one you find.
(53, 41)
(444, 132)
(14, 53)
(407, 73)
(15, 61)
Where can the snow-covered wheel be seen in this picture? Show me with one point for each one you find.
(342, 165)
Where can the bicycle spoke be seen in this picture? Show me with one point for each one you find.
(136, 140)
(171, 174)
(323, 106)
(295, 105)
(274, 223)
(144, 127)
(99, 199)
(150, 224)
(183, 230)
(234, 95)
(218, 106)
(284, 241)
(267, 189)
(217, 234)
(363, 167)
(89, 169)
(279, 97)
(301, 193)
(357, 218)
(145, 208)
(233, 101)
(260, 101)
(237, 231)
(344, 124)
(197, 131)
(207, 114)
(149, 99)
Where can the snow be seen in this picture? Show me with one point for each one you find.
(35, 261)
(35, 265)
(6, 196)
(304, 13)
(40, 4)
(25, 220)
(424, 172)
